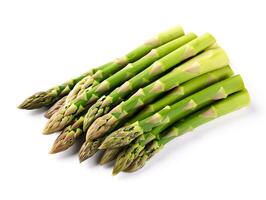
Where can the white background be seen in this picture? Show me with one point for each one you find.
(43, 43)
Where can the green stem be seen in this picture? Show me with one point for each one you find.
(173, 96)
(180, 92)
(158, 122)
(126, 73)
(201, 64)
(232, 103)
(73, 108)
(49, 97)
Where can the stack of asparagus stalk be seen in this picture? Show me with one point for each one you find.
(131, 107)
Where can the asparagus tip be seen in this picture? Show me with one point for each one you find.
(25, 105)
(109, 155)
(53, 151)
(100, 126)
(20, 106)
(122, 136)
(56, 148)
(115, 171)
(83, 155)
(37, 100)
(51, 127)
(102, 162)
(46, 131)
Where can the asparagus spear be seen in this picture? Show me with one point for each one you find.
(175, 95)
(230, 104)
(207, 61)
(203, 63)
(143, 49)
(165, 117)
(68, 136)
(46, 98)
(150, 74)
(55, 107)
(69, 111)
(106, 103)
(150, 131)
(182, 91)
(92, 88)
(130, 71)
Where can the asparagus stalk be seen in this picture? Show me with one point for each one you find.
(230, 104)
(104, 105)
(201, 64)
(92, 88)
(143, 49)
(170, 114)
(175, 95)
(70, 110)
(55, 107)
(126, 157)
(178, 93)
(130, 71)
(49, 97)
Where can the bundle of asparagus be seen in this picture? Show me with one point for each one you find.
(131, 107)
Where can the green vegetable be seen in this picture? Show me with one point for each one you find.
(230, 104)
(128, 72)
(185, 89)
(170, 114)
(49, 97)
(173, 96)
(201, 64)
